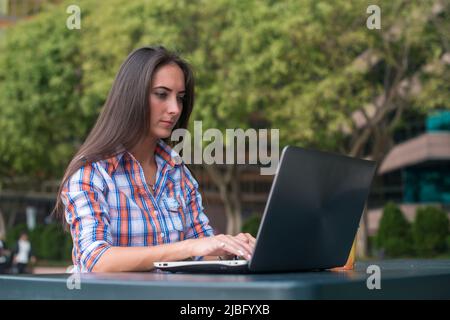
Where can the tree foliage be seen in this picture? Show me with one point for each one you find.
(288, 65)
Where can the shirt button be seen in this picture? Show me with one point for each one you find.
(177, 160)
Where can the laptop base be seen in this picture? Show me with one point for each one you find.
(220, 266)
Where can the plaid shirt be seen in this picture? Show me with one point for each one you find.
(107, 203)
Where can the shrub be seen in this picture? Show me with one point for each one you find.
(251, 225)
(66, 253)
(52, 242)
(13, 234)
(35, 237)
(394, 233)
(430, 231)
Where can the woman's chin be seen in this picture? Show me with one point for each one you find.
(162, 133)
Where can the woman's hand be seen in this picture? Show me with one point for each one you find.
(246, 237)
(241, 245)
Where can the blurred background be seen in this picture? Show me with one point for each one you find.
(312, 69)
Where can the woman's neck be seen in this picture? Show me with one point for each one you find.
(144, 151)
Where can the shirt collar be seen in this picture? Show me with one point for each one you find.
(168, 154)
(163, 150)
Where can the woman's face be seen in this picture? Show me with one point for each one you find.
(166, 100)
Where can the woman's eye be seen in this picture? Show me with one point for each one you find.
(163, 95)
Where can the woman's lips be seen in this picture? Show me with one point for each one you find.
(167, 123)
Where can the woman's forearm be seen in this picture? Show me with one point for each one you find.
(118, 259)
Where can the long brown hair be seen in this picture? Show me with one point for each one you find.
(125, 117)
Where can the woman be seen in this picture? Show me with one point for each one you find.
(127, 197)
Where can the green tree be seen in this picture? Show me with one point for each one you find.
(40, 75)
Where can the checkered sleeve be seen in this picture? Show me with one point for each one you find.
(86, 212)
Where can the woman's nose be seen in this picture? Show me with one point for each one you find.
(174, 106)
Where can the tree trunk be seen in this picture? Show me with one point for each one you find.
(227, 182)
(236, 201)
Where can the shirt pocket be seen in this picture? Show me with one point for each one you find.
(174, 212)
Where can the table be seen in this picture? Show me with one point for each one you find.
(399, 279)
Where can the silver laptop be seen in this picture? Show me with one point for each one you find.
(310, 219)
